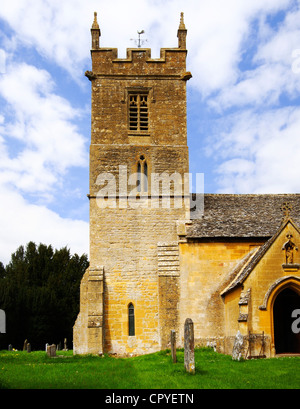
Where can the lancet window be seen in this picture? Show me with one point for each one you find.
(142, 175)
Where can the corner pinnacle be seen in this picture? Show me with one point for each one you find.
(182, 25)
(95, 25)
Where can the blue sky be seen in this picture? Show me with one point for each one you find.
(243, 102)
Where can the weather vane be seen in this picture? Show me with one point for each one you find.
(139, 41)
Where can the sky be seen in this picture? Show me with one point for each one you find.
(243, 102)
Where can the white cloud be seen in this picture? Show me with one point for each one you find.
(22, 222)
(219, 31)
(278, 44)
(54, 28)
(43, 123)
(257, 146)
(216, 30)
(43, 127)
(2, 61)
(272, 75)
(262, 86)
(260, 153)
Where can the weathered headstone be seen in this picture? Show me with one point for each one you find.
(189, 354)
(28, 347)
(238, 348)
(51, 350)
(2, 322)
(65, 344)
(173, 346)
(10, 347)
(25, 345)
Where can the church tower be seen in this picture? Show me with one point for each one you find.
(139, 197)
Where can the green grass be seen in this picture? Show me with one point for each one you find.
(22, 370)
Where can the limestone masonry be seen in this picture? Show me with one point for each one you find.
(156, 260)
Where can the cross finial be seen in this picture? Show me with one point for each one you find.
(286, 208)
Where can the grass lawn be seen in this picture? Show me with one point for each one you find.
(22, 370)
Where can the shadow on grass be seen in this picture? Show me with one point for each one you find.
(154, 371)
(3, 385)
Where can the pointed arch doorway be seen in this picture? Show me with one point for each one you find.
(286, 340)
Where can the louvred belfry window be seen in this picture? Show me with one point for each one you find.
(138, 112)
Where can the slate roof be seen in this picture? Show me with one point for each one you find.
(242, 216)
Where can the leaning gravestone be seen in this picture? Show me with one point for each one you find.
(189, 355)
(238, 348)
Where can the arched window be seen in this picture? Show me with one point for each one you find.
(142, 175)
(131, 324)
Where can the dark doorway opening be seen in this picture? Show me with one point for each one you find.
(286, 340)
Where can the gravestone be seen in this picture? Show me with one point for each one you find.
(28, 347)
(65, 344)
(10, 348)
(173, 346)
(51, 350)
(25, 345)
(238, 348)
(2, 322)
(189, 355)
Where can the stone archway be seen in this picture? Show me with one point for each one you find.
(285, 338)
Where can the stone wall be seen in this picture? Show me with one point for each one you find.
(205, 271)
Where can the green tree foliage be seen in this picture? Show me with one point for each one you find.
(39, 292)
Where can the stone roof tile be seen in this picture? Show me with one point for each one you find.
(242, 216)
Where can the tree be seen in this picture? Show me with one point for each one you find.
(39, 292)
(2, 270)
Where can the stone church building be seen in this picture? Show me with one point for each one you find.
(159, 255)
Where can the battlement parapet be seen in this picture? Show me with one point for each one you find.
(138, 61)
(172, 62)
